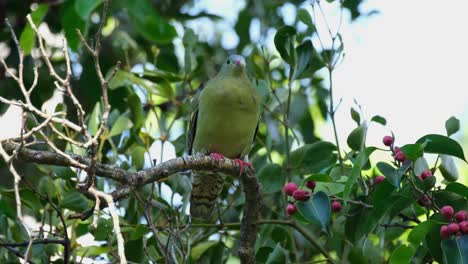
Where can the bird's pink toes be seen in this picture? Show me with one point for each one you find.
(217, 156)
(242, 164)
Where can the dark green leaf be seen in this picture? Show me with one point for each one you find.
(85, 7)
(439, 144)
(320, 177)
(95, 119)
(271, 178)
(304, 55)
(455, 250)
(198, 250)
(304, 16)
(379, 119)
(312, 158)
(402, 255)
(448, 169)
(361, 160)
(136, 110)
(277, 256)
(413, 151)
(452, 125)
(390, 173)
(74, 201)
(138, 157)
(356, 138)
(71, 21)
(457, 188)
(284, 43)
(418, 234)
(355, 116)
(28, 36)
(189, 40)
(134, 250)
(316, 210)
(148, 22)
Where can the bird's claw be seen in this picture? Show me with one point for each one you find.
(242, 164)
(217, 156)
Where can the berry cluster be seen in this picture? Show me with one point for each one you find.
(291, 189)
(397, 153)
(457, 227)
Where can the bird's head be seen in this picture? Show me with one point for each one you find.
(233, 65)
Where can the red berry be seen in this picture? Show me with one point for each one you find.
(447, 211)
(291, 209)
(289, 188)
(336, 206)
(425, 174)
(399, 156)
(424, 201)
(463, 227)
(301, 195)
(444, 232)
(379, 179)
(461, 216)
(388, 141)
(453, 228)
(311, 185)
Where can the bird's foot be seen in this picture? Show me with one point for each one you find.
(216, 156)
(242, 164)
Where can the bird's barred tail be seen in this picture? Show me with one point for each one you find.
(206, 188)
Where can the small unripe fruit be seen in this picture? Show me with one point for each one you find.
(291, 209)
(461, 216)
(289, 188)
(447, 212)
(444, 232)
(399, 156)
(463, 227)
(379, 179)
(301, 195)
(453, 228)
(311, 185)
(424, 201)
(388, 141)
(336, 206)
(425, 174)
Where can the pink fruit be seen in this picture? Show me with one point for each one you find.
(311, 185)
(447, 211)
(388, 141)
(444, 232)
(424, 201)
(461, 216)
(289, 188)
(291, 209)
(453, 228)
(399, 156)
(336, 206)
(463, 227)
(379, 179)
(301, 195)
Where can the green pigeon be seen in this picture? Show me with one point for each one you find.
(224, 124)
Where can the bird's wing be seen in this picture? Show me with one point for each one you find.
(193, 125)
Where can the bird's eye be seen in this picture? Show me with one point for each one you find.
(228, 62)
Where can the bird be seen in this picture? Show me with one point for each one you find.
(223, 124)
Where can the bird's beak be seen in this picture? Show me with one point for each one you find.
(240, 63)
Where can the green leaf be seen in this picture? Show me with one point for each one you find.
(122, 124)
(355, 116)
(320, 177)
(277, 256)
(136, 110)
(418, 234)
(134, 250)
(304, 16)
(402, 255)
(452, 125)
(448, 169)
(457, 188)
(138, 157)
(379, 119)
(71, 21)
(304, 55)
(312, 158)
(361, 160)
(28, 36)
(200, 248)
(439, 144)
(356, 138)
(316, 210)
(420, 165)
(413, 151)
(123, 78)
(95, 119)
(85, 7)
(189, 40)
(74, 201)
(92, 251)
(148, 22)
(284, 43)
(390, 173)
(271, 178)
(455, 250)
